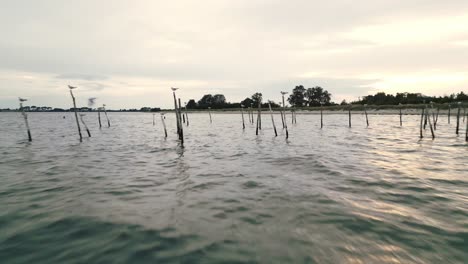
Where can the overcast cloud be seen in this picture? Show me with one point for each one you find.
(129, 53)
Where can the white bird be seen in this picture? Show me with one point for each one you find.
(72, 87)
(22, 99)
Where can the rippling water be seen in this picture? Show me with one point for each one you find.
(336, 195)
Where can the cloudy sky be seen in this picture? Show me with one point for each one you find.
(129, 53)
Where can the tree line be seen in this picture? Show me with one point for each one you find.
(316, 96)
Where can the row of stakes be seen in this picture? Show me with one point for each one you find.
(429, 116)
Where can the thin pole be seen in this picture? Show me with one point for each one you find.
(365, 112)
(349, 116)
(284, 116)
(25, 116)
(260, 114)
(458, 119)
(183, 118)
(251, 112)
(436, 118)
(401, 117)
(153, 118)
(164, 125)
(321, 114)
(175, 110)
(242, 113)
(105, 113)
(76, 113)
(466, 132)
(421, 125)
(181, 136)
(209, 112)
(464, 113)
(84, 124)
(186, 114)
(272, 120)
(449, 108)
(248, 113)
(430, 123)
(99, 117)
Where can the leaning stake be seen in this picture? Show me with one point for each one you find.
(272, 119)
(84, 124)
(25, 116)
(105, 113)
(421, 125)
(401, 118)
(365, 112)
(76, 114)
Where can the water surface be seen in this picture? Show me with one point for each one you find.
(331, 195)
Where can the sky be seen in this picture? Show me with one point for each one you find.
(129, 53)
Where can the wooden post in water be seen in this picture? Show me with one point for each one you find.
(421, 125)
(105, 113)
(251, 113)
(428, 118)
(284, 115)
(76, 113)
(349, 115)
(449, 108)
(209, 112)
(458, 119)
(181, 136)
(153, 118)
(282, 119)
(84, 124)
(186, 114)
(433, 115)
(164, 124)
(401, 118)
(25, 116)
(248, 113)
(466, 132)
(464, 113)
(272, 119)
(176, 111)
(242, 113)
(365, 112)
(436, 118)
(321, 114)
(259, 117)
(99, 116)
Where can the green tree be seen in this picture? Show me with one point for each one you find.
(256, 98)
(219, 101)
(317, 95)
(297, 96)
(206, 101)
(191, 104)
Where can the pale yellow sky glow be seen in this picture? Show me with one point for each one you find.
(129, 53)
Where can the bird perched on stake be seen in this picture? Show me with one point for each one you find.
(71, 87)
(22, 99)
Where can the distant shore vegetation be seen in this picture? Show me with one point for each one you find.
(299, 97)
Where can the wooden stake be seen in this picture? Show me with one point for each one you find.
(105, 113)
(466, 132)
(401, 118)
(272, 119)
(242, 113)
(259, 117)
(449, 108)
(321, 114)
(164, 125)
(76, 113)
(84, 124)
(421, 125)
(99, 116)
(458, 119)
(186, 114)
(365, 112)
(428, 118)
(209, 112)
(284, 116)
(25, 116)
(153, 118)
(349, 114)
(181, 136)
(176, 111)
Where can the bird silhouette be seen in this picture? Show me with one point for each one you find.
(174, 89)
(22, 99)
(71, 87)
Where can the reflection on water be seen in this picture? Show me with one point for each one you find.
(331, 195)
